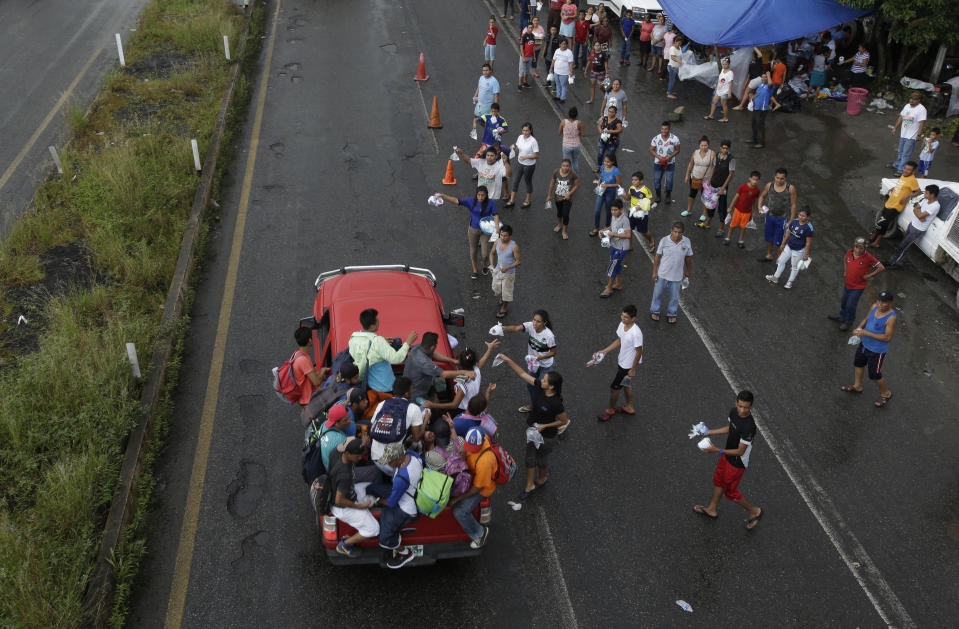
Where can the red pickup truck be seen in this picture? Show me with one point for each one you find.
(407, 300)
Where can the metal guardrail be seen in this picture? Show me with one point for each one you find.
(328, 275)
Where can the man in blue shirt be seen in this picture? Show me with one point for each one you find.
(626, 26)
(760, 100)
(875, 333)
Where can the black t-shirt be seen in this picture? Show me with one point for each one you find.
(720, 171)
(340, 477)
(545, 409)
(741, 430)
(599, 61)
(755, 68)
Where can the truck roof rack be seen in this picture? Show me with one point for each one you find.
(326, 275)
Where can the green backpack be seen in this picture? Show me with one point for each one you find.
(433, 492)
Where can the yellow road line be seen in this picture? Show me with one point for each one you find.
(191, 514)
(46, 121)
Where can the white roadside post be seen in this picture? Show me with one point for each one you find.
(134, 363)
(123, 61)
(56, 159)
(226, 47)
(196, 154)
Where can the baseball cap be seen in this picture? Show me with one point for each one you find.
(885, 296)
(391, 452)
(354, 396)
(474, 440)
(336, 413)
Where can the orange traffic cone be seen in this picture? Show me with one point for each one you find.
(421, 70)
(435, 117)
(449, 179)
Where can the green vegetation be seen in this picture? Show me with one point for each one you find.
(89, 266)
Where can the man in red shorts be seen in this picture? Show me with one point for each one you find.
(744, 204)
(733, 460)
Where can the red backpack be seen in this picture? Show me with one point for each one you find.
(284, 384)
(505, 464)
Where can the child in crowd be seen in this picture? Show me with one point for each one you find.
(489, 43)
(929, 145)
(621, 241)
(640, 222)
(744, 204)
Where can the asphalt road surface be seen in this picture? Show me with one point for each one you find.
(55, 54)
(862, 517)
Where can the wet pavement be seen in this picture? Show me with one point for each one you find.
(51, 51)
(862, 516)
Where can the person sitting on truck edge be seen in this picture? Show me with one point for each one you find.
(350, 503)
(468, 385)
(474, 411)
(397, 500)
(415, 420)
(306, 376)
(371, 352)
(482, 464)
(422, 371)
(334, 390)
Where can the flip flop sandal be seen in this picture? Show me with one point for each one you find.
(622, 409)
(500, 314)
(724, 120)
(592, 233)
(605, 295)
(526, 494)
(701, 510)
(755, 520)
(539, 485)
(708, 118)
(882, 401)
(525, 205)
(606, 415)
(654, 317)
(670, 320)
(848, 388)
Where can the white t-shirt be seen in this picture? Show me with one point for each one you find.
(911, 117)
(629, 340)
(561, 60)
(490, 176)
(725, 81)
(414, 417)
(540, 343)
(526, 146)
(924, 206)
(927, 155)
(831, 45)
(468, 387)
(665, 147)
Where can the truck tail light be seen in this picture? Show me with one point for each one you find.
(329, 527)
(486, 514)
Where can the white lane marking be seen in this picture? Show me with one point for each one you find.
(852, 552)
(555, 572)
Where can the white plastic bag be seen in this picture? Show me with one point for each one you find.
(473, 135)
(620, 192)
(764, 209)
(605, 242)
(548, 205)
(498, 361)
(453, 156)
(599, 189)
(532, 364)
(487, 225)
(571, 77)
(604, 136)
(534, 436)
(697, 430)
(804, 264)
(596, 359)
(435, 200)
(751, 224)
(853, 340)
(704, 443)
(549, 78)
(729, 218)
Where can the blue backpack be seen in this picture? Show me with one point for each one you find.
(389, 424)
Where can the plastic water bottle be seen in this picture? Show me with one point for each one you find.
(686, 606)
(685, 283)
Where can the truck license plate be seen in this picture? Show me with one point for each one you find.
(417, 550)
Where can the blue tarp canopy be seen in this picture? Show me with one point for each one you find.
(738, 23)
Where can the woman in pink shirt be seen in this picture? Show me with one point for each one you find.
(645, 37)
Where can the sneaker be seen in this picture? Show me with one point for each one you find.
(400, 558)
(834, 317)
(485, 270)
(526, 85)
(346, 549)
(726, 241)
(474, 276)
(843, 327)
(525, 408)
(772, 279)
(684, 213)
(479, 543)
(788, 285)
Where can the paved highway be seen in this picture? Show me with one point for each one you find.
(861, 523)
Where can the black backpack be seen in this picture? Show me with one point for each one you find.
(389, 424)
(311, 459)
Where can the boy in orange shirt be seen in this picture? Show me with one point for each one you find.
(906, 188)
(744, 204)
(778, 78)
(482, 464)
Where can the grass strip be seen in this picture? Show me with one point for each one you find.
(89, 266)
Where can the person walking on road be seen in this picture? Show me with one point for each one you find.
(923, 214)
(609, 183)
(860, 267)
(621, 243)
(629, 341)
(596, 69)
(489, 43)
(664, 148)
(875, 332)
(571, 129)
(733, 460)
(609, 128)
(721, 95)
(562, 187)
(526, 149)
(723, 173)
(547, 414)
(541, 347)
(491, 169)
(561, 68)
(616, 97)
(527, 50)
(480, 207)
(744, 206)
(699, 169)
(779, 196)
(487, 93)
(504, 273)
(672, 264)
(794, 249)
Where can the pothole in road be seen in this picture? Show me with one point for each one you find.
(278, 149)
(390, 47)
(300, 21)
(248, 545)
(296, 78)
(246, 490)
(294, 40)
(281, 75)
(293, 66)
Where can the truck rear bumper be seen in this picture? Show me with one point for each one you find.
(431, 554)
